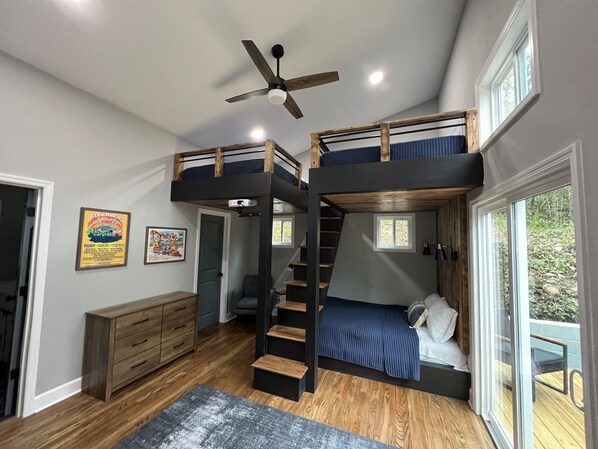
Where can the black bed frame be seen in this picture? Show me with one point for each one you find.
(434, 378)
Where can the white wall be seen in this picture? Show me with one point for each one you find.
(97, 156)
(362, 274)
(566, 112)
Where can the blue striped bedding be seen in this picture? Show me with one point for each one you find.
(372, 335)
(426, 148)
(239, 168)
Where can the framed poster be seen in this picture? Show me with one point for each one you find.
(164, 244)
(103, 239)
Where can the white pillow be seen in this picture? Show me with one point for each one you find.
(441, 321)
(432, 299)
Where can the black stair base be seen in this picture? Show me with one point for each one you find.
(283, 386)
(289, 349)
(292, 318)
(298, 293)
(300, 273)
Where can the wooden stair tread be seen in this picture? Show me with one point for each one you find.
(280, 365)
(321, 247)
(304, 284)
(294, 306)
(301, 263)
(330, 232)
(287, 333)
(330, 218)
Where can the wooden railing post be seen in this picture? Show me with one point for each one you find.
(315, 150)
(219, 163)
(178, 167)
(269, 156)
(384, 142)
(473, 135)
(298, 170)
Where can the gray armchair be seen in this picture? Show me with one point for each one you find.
(245, 299)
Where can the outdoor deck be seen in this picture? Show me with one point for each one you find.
(557, 422)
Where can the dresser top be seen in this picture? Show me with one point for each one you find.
(136, 306)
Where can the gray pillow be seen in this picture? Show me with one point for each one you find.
(417, 314)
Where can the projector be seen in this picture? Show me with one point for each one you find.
(242, 203)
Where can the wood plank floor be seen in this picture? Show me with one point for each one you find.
(557, 422)
(394, 415)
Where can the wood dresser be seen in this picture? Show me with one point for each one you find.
(128, 341)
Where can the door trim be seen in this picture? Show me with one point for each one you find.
(37, 281)
(222, 316)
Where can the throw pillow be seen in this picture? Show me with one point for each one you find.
(417, 314)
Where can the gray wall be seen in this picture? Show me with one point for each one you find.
(566, 111)
(97, 156)
(13, 201)
(362, 274)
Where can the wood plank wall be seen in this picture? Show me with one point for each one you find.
(453, 276)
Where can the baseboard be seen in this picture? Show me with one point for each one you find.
(55, 395)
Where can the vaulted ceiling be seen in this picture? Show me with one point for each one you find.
(174, 62)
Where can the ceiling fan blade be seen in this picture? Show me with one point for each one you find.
(260, 62)
(292, 107)
(317, 79)
(255, 93)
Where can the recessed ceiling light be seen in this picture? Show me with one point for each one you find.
(257, 133)
(376, 77)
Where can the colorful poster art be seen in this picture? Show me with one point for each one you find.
(103, 239)
(164, 244)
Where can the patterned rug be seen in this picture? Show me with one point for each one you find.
(209, 419)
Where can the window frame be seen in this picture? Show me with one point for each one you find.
(410, 218)
(520, 28)
(283, 219)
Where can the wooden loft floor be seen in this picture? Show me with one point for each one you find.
(396, 201)
(394, 415)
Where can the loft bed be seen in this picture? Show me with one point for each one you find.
(249, 170)
(417, 164)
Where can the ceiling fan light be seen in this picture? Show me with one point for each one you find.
(277, 96)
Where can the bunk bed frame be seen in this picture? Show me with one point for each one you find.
(438, 183)
(265, 187)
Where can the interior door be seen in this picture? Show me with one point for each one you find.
(210, 269)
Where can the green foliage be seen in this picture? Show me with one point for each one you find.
(552, 268)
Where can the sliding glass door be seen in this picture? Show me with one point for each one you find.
(530, 283)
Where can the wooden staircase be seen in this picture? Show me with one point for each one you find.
(282, 370)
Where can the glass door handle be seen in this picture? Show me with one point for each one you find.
(572, 390)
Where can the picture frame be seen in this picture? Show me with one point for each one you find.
(103, 239)
(164, 245)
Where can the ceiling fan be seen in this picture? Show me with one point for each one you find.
(278, 88)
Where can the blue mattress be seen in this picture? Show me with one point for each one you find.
(239, 168)
(372, 335)
(427, 148)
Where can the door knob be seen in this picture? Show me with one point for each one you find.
(220, 274)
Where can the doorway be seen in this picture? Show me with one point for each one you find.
(210, 274)
(17, 221)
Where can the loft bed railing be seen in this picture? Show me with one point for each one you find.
(269, 148)
(465, 120)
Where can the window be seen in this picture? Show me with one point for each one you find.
(509, 82)
(394, 232)
(282, 231)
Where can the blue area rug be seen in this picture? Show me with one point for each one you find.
(207, 418)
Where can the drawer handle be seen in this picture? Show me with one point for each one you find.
(137, 344)
(178, 346)
(139, 322)
(138, 365)
(180, 327)
(180, 308)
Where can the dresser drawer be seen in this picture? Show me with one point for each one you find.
(135, 365)
(179, 308)
(139, 321)
(178, 327)
(176, 346)
(134, 344)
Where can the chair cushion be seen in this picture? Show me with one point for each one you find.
(248, 302)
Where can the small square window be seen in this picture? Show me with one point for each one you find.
(282, 231)
(394, 232)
